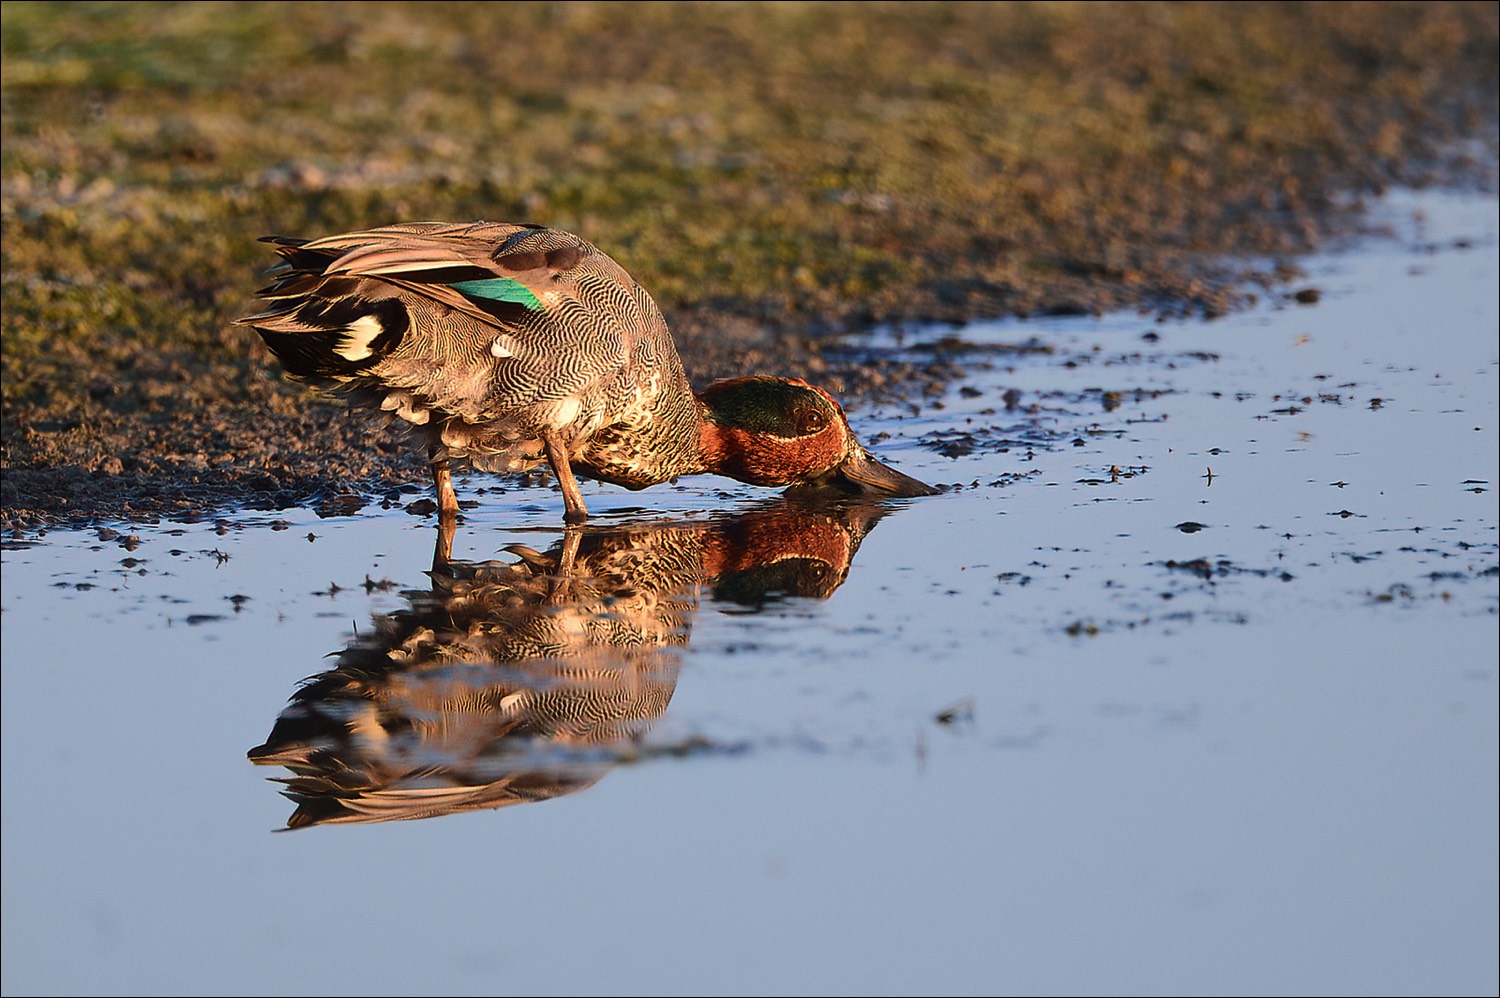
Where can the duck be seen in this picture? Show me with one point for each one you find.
(505, 346)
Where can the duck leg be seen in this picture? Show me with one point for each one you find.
(442, 481)
(442, 549)
(557, 456)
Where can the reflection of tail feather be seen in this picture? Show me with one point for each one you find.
(320, 800)
(460, 736)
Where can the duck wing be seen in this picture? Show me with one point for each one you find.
(476, 321)
(324, 287)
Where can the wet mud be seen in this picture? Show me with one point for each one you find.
(1055, 160)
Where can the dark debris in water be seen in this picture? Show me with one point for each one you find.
(682, 748)
(1209, 569)
(962, 711)
(1398, 592)
(955, 344)
(1117, 474)
(1028, 436)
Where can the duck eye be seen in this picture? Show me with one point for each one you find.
(810, 422)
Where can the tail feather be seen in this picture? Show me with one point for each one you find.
(316, 337)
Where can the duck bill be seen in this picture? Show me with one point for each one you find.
(865, 476)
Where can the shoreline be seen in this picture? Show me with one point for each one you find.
(779, 177)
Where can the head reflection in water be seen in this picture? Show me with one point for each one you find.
(523, 680)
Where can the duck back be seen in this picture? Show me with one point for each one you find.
(488, 337)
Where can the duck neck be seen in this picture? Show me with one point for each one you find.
(713, 442)
(728, 449)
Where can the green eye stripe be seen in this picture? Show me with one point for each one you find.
(770, 407)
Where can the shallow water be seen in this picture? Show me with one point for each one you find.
(1189, 686)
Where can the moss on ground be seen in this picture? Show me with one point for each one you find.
(773, 173)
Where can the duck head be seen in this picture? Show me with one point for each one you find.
(783, 431)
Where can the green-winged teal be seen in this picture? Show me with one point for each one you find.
(507, 345)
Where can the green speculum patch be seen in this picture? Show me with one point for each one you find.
(500, 289)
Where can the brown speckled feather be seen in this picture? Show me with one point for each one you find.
(489, 336)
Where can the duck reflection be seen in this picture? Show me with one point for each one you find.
(525, 679)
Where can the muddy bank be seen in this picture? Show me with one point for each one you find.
(778, 176)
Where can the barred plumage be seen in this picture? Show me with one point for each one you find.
(507, 345)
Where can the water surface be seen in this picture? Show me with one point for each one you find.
(1187, 684)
